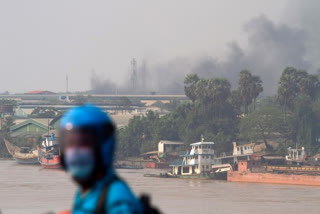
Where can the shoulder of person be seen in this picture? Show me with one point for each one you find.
(121, 198)
(119, 190)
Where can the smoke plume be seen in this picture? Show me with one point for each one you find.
(270, 48)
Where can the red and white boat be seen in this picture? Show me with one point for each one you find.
(49, 154)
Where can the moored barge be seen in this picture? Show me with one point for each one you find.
(251, 171)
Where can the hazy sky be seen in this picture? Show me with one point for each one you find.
(43, 41)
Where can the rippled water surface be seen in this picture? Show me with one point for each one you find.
(31, 189)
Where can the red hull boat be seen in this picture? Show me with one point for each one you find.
(49, 160)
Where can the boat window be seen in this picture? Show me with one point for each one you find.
(185, 169)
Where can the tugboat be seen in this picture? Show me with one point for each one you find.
(49, 153)
(197, 163)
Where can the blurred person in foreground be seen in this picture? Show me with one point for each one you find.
(87, 141)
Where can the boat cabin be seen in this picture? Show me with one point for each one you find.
(50, 144)
(25, 150)
(198, 160)
(296, 154)
(245, 165)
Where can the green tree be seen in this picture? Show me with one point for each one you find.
(6, 123)
(190, 86)
(265, 124)
(294, 83)
(256, 89)
(249, 88)
(305, 128)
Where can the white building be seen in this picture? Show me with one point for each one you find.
(165, 146)
(196, 161)
(245, 149)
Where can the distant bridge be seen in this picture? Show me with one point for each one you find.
(138, 96)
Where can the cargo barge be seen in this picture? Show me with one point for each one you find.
(252, 171)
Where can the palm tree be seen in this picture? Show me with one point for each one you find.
(244, 88)
(190, 86)
(256, 89)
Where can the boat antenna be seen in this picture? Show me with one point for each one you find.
(202, 138)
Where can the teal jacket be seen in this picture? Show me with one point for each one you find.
(119, 200)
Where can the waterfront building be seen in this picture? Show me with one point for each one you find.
(165, 146)
(30, 126)
(245, 149)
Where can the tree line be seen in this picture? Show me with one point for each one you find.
(222, 114)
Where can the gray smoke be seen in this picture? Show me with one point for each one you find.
(305, 14)
(99, 85)
(270, 48)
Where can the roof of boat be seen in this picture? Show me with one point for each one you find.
(202, 143)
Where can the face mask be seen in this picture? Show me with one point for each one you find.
(80, 162)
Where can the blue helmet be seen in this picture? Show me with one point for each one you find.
(90, 116)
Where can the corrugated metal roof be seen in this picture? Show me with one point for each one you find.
(37, 123)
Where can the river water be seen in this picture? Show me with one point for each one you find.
(30, 190)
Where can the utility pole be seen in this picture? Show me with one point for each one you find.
(134, 74)
(67, 84)
(142, 75)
